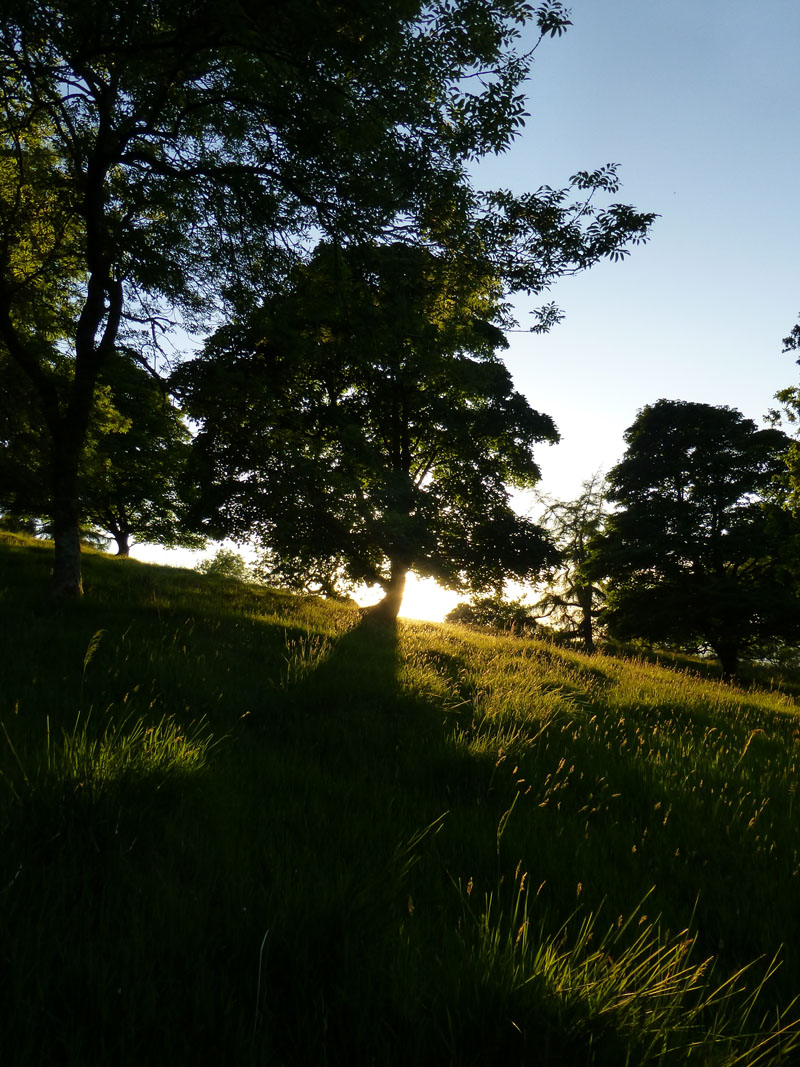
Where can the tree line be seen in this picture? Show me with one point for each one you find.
(249, 288)
(691, 542)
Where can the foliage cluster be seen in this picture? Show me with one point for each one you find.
(225, 563)
(368, 426)
(572, 598)
(496, 613)
(133, 478)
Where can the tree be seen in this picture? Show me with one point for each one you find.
(572, 600)
(156, 158)
(789, 414)
(362, 424)
(225, 563)
(700, 549)
(496, 613)
(132, 476)
(792, 342)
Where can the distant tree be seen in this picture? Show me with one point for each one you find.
(792, 342)
(700, 549)
(788, 414)
(321, 577)
(571, 600)
(363, 424)
(225, 563)
(496, 613)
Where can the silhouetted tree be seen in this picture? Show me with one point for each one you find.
(363, 423)
(789, 415)
(572, 600)
(133, 480)
(700, 549)
(791, 343)
(225, 563)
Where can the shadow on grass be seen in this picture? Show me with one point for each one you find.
(295, 903)
(343, 707)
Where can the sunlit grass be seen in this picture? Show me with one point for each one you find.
(624, 993)
(126, 751)
(304, 839)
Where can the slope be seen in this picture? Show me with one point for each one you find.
(244, 827)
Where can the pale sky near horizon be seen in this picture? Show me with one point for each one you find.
(698, 101)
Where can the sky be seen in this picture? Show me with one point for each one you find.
(698, 101)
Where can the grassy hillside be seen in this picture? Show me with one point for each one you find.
(240, 827)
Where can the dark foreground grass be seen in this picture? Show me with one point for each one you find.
(244, 828)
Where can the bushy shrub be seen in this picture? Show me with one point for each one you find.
(225, 563)
(496, 613)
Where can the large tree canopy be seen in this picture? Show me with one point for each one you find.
(158, 159)
(700, 551)
(361, 423)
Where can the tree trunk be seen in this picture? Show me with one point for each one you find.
(66, 582)
(585, 627)
(123, 540)
(389, 607)
(727, 652)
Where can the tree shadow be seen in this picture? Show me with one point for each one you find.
(347, 700)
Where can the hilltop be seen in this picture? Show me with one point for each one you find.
(241, 826)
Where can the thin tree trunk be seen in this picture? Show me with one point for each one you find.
(66, 582)
(585, 627)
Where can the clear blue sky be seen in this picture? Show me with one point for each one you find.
(698, 101)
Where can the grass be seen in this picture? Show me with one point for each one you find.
(242, 827)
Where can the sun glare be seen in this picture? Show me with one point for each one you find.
(425, 599)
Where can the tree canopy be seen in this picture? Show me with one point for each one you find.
(160, 161)
(700, 550)
(791, 343)
(789, 414)
(361, 423)
(132, 473)
(133, 476)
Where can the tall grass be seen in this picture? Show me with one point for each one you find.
(244, 827)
